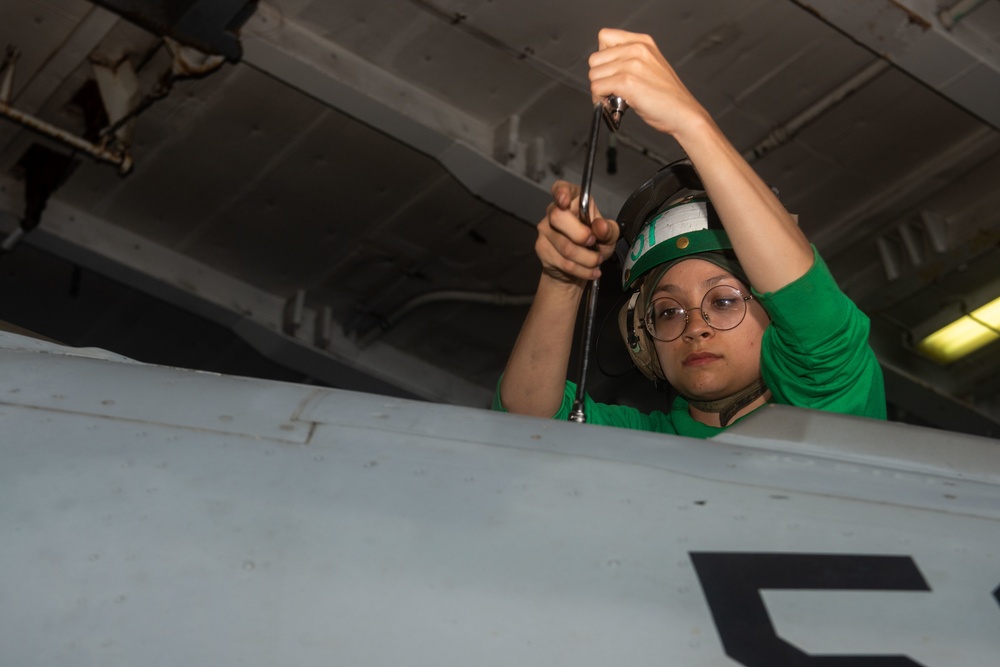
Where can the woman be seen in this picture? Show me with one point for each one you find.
(800, 341)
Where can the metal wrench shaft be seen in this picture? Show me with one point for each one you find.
(610, 111)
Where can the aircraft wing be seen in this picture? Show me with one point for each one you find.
(158, 516)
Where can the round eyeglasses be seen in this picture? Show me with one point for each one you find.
(723, 308)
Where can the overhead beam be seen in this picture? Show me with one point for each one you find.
(210, 26)
(959, 62)
(256, 316)
(927, 402)
(462, 143)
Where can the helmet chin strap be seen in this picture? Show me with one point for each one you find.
(728, 407)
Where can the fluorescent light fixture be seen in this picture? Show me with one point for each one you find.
(965, 335)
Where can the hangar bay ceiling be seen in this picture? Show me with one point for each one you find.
(349, 188)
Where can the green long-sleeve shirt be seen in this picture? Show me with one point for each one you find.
(814, 354)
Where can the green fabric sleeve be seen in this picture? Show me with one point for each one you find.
(815, 354)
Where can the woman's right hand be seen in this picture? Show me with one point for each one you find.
(570, 251)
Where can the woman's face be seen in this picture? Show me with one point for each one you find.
(704, 363)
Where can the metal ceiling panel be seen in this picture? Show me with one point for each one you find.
(365, 158)
(958, 61)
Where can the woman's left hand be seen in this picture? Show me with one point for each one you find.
(631, 66)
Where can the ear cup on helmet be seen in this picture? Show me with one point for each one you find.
(639, 345)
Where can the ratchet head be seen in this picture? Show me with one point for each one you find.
(614, 108)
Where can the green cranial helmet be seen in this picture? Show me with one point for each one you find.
(684, 227)
(666, 219)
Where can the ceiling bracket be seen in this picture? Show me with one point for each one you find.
(108, 149)
(913, 241)
(294, 313)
